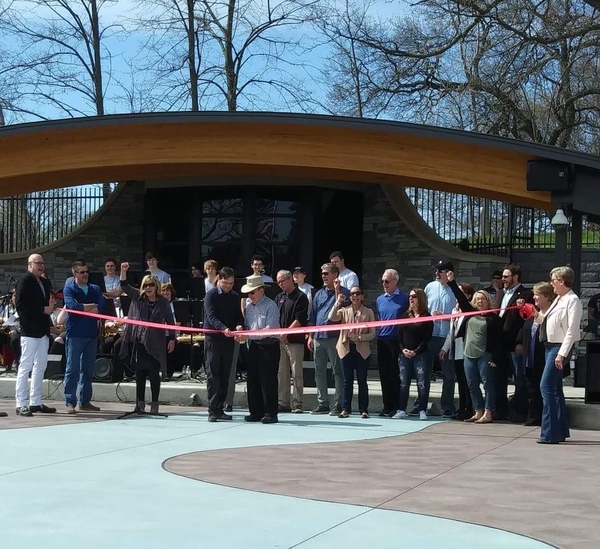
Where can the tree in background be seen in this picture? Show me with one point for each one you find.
(224, 54)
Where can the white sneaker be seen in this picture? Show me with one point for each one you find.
(423, 415)
(400, 414)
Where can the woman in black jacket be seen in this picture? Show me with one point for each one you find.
(147, 345)
(414, 359)
(482, 336)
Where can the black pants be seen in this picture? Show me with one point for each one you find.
(534, 377)
(146, 367)
(465, 404)
(218, 356)
(501, 374)
(262, 383)
(389, 373)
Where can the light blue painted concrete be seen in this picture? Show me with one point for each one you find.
(102, 486)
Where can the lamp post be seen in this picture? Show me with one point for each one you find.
(560, 222)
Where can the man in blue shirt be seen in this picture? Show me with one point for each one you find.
(323, 343)
(391, 305)
(82, 337)
(441, 301)
(263, 352)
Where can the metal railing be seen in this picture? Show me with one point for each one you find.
(37, 219)
(485, 226)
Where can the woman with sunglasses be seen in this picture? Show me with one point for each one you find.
(147, 345)
(353, 347)
(414, 359)
(482, 335)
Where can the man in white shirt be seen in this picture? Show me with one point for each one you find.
(347, 278)
(299, 276)
(152, 262)
(258, 268)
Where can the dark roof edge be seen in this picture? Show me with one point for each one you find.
(534, 149)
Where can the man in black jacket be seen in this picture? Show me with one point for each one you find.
(221, 312)
(293, 313)
(34, 306)
(514, 294)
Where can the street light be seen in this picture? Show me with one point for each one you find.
(560, 222)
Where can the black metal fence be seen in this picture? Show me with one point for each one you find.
(485, 226)
(37, 219)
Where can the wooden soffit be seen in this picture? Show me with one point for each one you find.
(128, 147)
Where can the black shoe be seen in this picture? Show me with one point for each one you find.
(540, 441)
(224, 416)
(532, 423)
(414, 412)
(212, 419)
(336, 411)
(384, 413)
(3, 414)
(229, 408)
(42, 408)
(24, 411)
(269, 419)
(252, 419)
(321, 409)
(448, 414)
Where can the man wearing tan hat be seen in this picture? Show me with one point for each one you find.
(263, 352)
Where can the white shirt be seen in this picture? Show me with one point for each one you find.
(163, 277)
(307, 289)
(508, 293)
(348, 278)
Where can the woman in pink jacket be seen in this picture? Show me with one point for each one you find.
(353, 348)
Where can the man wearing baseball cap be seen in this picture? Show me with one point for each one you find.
(441, 301)
(299, 275)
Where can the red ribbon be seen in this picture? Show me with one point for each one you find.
(526, 311)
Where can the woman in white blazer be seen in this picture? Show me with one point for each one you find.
(560, 331)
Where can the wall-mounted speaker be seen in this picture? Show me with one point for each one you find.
(545, 175)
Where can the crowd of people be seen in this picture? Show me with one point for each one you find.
(482, 350)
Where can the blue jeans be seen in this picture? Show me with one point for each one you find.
(448, 374)
(418, 367)
(555, 422)
(81, 356)
(478, 370)
(354, 361)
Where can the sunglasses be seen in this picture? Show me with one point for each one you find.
(356, 293)
(325, 274)
(149, 285)
(385, 281)
(83, 272)
(412, 296)
(496, 278)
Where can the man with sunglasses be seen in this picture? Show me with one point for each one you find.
(391, 305)
(82, 334)
(495, 289)
(323, 343)
(34, 304)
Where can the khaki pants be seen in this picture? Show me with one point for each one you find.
(292, 356)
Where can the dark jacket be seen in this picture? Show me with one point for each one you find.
(415, 337)
(76, 298)
(153, 339)
(221, 311)
(524, 338)
(512, 321)
(494, 324)
(31, 302)
(293, 307)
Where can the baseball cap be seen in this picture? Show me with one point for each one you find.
(299, 270)
(443, 265)
(497, 274)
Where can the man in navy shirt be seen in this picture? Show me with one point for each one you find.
(391, 305)
(82, 337)
(323, 343)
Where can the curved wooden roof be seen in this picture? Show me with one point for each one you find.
(46, 155)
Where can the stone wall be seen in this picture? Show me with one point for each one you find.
(389, 244)
(117, 232)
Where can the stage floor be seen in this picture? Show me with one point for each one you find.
(309, 482)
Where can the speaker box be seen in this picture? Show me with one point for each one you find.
(543, 175)
(102, 368)
(592, 374)
(54, 368)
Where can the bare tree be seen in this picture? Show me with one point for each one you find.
(224, 53)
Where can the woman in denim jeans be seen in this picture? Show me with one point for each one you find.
(482, 335)
(414, 360)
